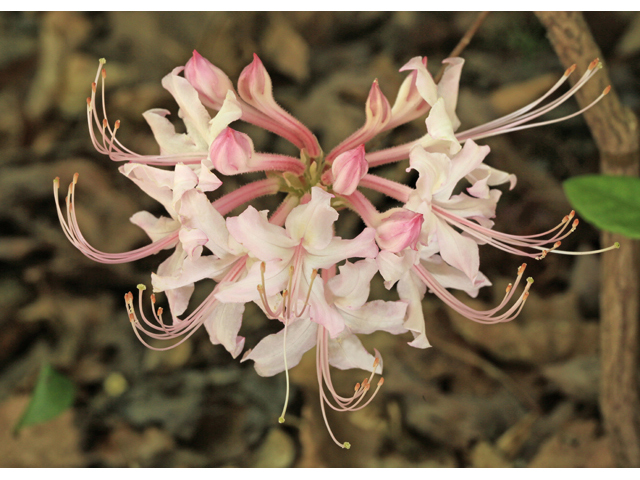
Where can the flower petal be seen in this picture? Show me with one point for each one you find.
(195, 116)
(268, 355)
(363, 246)
(165, 134)
(223, 325)
(412, 290)
(450, 277)
(262, 239)
(351, 287)
(156, 228)
(374, 316)
(312, 223)
(457, 250)
(346, 352)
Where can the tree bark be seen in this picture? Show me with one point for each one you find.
(615, 131)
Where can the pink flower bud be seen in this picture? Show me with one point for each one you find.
(377, 106)
(399, 230)
(231, 151)
(254, 82)
(348, 169)
(211, 83)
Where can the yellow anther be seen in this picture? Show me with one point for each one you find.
(103, 61)
(141, 287)
(346, 445)
(281, 420)
(530, 280)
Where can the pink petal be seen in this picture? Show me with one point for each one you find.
(231, 152)
(211, 83)
(348, 169)
(399, 229)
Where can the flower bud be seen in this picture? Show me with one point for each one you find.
(377, 107)
(254, 82)
(231, 151)
(348, 168)
(399, 230)
(211, 83)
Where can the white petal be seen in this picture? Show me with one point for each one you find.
(155, 182)
(457, 250)
(312, 223)
(197, 212)
(195, 116)
(346, 352)
(351, 286)
(229, 112)
(412, 290)
(375, 316)
(450, 277)
(262, 239)
(269, 353)
(165, 134)
(156, 228)
(223, 325)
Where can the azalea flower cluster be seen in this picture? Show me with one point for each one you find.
(289, 261)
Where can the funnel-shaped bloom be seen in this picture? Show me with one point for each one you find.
(307, 243)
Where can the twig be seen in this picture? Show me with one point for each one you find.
(615, 131)
(464, 41)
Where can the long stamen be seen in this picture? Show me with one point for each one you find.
(286, 370)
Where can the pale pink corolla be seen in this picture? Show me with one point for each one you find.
(346, 295)
(348, 169)
(306, 244)
(399, 229)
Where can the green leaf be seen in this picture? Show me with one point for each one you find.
(610, 203)
(53, 394)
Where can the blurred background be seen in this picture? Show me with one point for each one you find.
(517, 394)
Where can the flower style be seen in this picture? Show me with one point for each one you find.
(286, 262)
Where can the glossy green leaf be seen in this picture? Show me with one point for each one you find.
(52, 395)
(610, 203)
